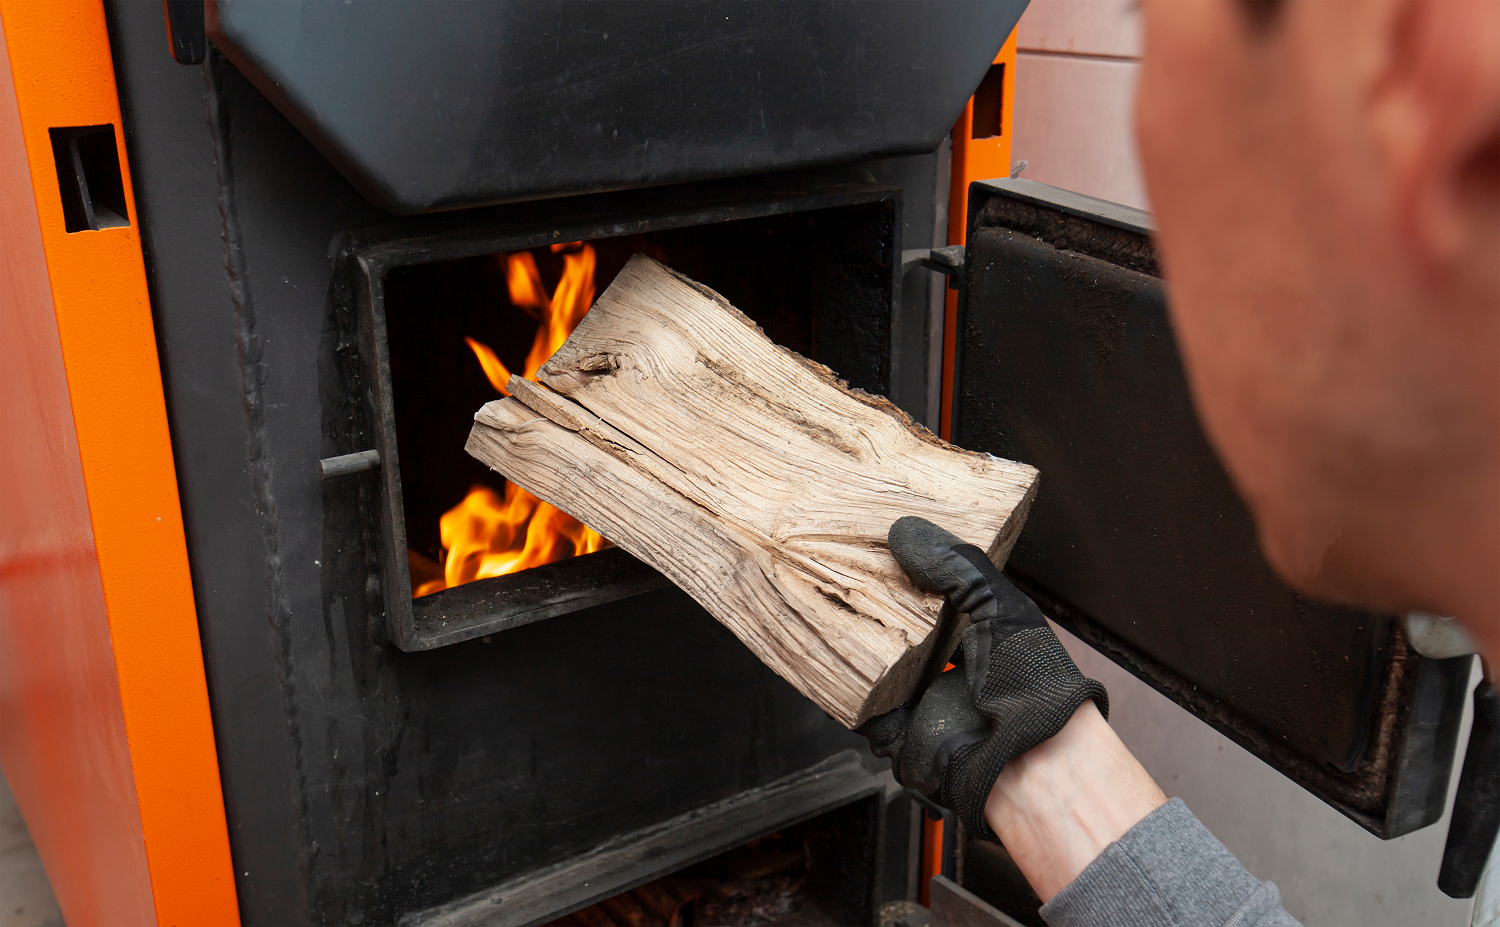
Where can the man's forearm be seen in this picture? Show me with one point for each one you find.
(1102, 846)
(1057, 806)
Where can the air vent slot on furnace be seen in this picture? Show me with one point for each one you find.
(88, 177)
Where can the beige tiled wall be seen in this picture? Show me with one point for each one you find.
(1104, 28)
(1076, 64)
(1073, 124)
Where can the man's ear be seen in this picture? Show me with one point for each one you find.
(1436, 114)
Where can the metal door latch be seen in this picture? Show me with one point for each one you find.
(948, 261)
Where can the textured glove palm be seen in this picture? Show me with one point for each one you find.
(1017, 686)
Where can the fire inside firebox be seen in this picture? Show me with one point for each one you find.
(489, 533)
(459, 329)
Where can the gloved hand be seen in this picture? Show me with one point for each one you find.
(1015, 685)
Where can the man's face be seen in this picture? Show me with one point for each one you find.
(1229, 236)
(1308, 334)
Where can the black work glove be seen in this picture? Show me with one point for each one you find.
(1014, 688)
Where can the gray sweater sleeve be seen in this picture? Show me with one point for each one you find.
(1167, 871)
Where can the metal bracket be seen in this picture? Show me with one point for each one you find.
(188, 39)
(948, 261)
(950, 831)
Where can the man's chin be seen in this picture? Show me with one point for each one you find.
(1324, 562)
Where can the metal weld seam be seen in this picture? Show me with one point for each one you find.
(250, 350)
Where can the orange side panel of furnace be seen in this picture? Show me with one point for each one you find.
(974, 159)
(105, 733)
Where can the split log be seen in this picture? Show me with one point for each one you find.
(754, 479)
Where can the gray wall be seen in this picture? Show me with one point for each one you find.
(26, 898)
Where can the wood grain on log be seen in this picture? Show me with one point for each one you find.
(754, 479)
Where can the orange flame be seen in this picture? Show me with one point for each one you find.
(488, 535)
(525, 283)
(494, 368)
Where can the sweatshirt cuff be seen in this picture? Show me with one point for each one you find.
(1167, 870)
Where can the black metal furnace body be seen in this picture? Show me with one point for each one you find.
(377, 765)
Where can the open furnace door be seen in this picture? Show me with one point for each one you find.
(1138, 543)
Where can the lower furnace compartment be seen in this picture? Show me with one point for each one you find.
(805, 850)
(813, 873)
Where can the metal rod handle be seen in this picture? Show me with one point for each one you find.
(1476, 807)
(345, 464)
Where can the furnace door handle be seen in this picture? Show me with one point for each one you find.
(1476, 807)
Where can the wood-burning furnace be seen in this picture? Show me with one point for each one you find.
(294, 224)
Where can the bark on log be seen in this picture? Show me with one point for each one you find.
(754, 479)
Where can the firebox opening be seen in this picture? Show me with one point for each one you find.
(456, 328)
(812, 874)
(446, 317)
